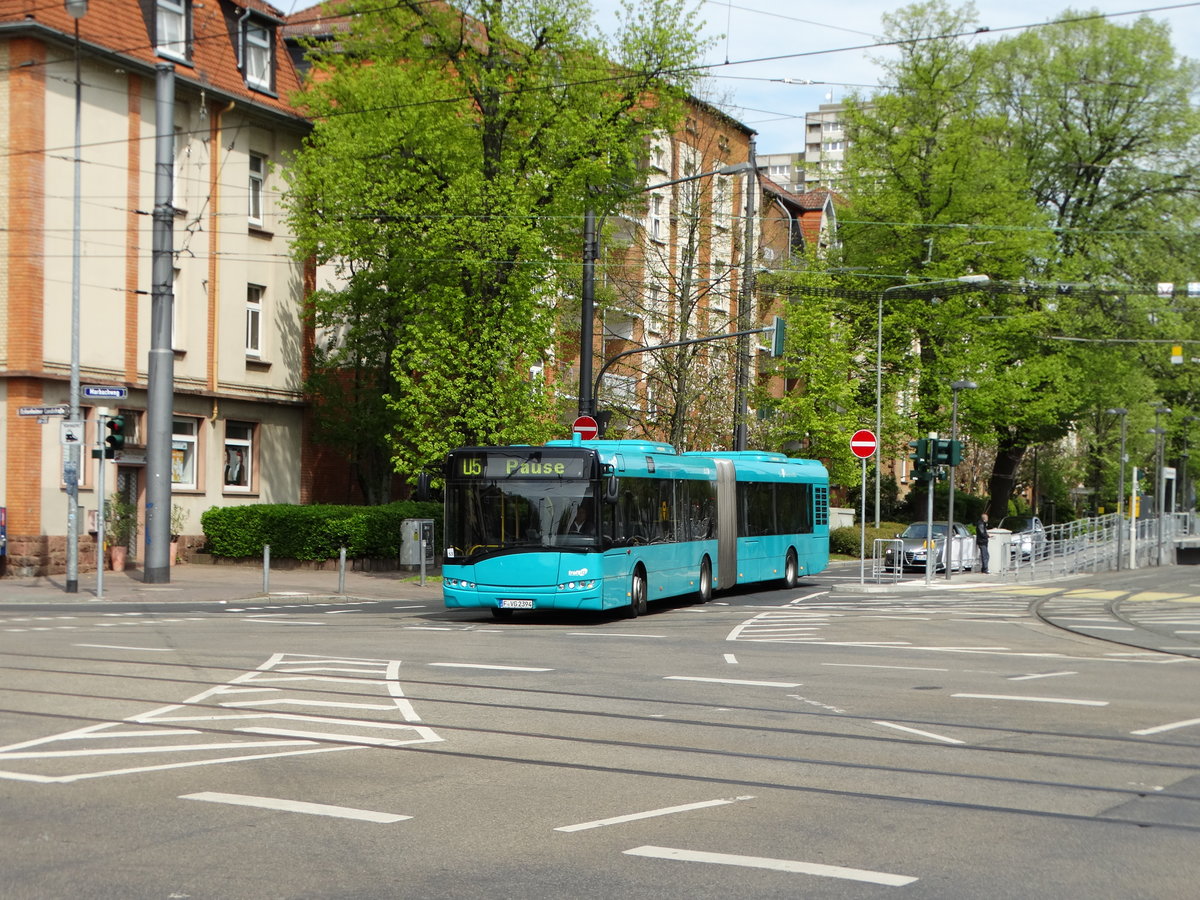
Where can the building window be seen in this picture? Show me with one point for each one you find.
(258, 174)
(173, 28)
(254, 305)
(257, 44)
(658, 230)
(239, 456)
(183, 453)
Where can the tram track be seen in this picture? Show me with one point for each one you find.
(975, 764)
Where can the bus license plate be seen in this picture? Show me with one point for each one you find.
(516, 604)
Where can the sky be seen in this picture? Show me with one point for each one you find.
(827, 43)
(774, 60)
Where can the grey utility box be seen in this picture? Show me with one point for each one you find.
(413, 532)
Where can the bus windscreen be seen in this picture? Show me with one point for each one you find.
(519, 499)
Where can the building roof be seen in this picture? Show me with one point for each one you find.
(125, 30)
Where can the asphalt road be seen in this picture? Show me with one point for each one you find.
(955, 742)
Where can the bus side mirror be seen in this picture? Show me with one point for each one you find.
(611, 489)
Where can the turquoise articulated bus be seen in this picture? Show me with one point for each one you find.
(598, 525)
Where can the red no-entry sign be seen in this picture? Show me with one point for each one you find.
(586, 428)
(863, 443)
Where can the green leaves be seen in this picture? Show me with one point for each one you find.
(447, 174)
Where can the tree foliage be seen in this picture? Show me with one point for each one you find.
(453, 155)
(1063, 163)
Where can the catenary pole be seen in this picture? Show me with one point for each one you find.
(157, 565)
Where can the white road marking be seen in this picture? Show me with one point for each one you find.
(928, 734)
(297, 806)
(447, 665)
(1032, 699)
(322, 703)
(119, 647)
(731, 659)
(267, 620)
(1186, 723)
(778, 865)
(903, 668)
(613, 634)
(356, 734)
(649, 814)
(1042, 675)
(782, 684)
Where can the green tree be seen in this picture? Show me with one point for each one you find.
(453, 155)
(1061, 156)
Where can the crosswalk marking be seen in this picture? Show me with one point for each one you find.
(276, 722)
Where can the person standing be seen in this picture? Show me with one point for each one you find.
(981, 541)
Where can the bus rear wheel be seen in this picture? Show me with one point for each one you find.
(706, 583)
(637, 595)
(791, 570)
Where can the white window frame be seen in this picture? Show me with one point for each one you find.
(172, 41)
(254, 319)
(656, 223)
(238, 457)
(185, 455)
(258, 50)
(257, 181)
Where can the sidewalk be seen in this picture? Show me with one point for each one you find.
(203, 582)
(914, 582)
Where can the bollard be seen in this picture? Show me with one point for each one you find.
(266, 569)
(342, 571)
(422, 562)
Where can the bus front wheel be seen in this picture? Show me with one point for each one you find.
(791, 570)
(637, 595)
(706, 583)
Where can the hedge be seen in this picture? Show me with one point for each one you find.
(847, 540)
(314, 532)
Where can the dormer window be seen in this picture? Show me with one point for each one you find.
(258, 44)
(173, 29)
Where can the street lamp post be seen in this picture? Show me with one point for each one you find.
(1184, 459)
(591, 252)
(1160, 490)
(1123, 413)
(955, 387)
(76, 9)
(962, 279)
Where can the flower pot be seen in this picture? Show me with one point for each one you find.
(174, 552)
(120, 554)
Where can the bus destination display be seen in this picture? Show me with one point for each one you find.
(538, 465)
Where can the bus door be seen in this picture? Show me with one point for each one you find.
(726, 574)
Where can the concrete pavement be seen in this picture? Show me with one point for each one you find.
(201, 582)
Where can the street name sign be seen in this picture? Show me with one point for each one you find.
(104, 391)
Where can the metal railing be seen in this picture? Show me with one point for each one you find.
(1087, 545)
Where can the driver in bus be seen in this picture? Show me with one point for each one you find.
(582, 521)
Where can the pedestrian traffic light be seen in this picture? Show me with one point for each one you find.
(922, 464)
(116, 436)
(946, 453)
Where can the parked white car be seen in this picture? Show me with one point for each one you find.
(917, 546)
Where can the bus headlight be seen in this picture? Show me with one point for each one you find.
(458, 583)
(577, 585)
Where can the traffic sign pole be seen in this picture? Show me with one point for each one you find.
(863, 444)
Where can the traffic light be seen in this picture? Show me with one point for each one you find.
(922, 463)
(116, 436)
(778, 334)
(946, 453)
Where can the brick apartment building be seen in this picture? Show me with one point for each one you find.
(238, 338)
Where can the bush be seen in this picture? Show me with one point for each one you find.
(846, 541)
(314, 532)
